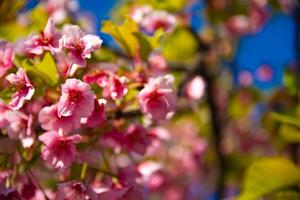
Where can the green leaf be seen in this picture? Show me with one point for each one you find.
(171, 5)
(6, 93)
(284, 195)
(285, 119)
(148, 43)
(268, 175)
(123, 34)
(145, 46)
(12, 31)
(46, 70)
(180, 46)
(290, 134)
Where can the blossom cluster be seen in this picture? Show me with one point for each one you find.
(81, 108)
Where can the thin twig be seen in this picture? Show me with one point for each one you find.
(35, 180)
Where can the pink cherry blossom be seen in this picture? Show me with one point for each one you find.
(264, 73)
(59, 150)
(158, 99)
(58, 9)
(50, 121)
(9, 193)
(19, 126)
(25, 89)
(136, 139)
(75, 190)
(64, 64)
(98, 115)
(157, 62)
(158, 19)
(100, 77)
(79, 44)
(3, 109)
(116, 87)
(6, 57)
(195, 88)
(47, 40)
(138, 13)
(77, 99)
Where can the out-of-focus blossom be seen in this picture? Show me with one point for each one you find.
(114, 86)
(151, 20)
(245, 78)
(59, 9)
(79, 44)
(64, 64)
(24, 88)
(19, 126)
(195, 88)
(75, 190)
(6, 57)
(98, 116)
(264, 73)
(27, 188)
(4, 174)
(3, 109)
(59, 150)
(258, 17)
(9, 193)
(50, 121)
(100, 77)
(158, 19)
(77, 99)
(47, 40)
(148, 168)
(158, 99)
(136, 139)
(242, 24)
(157, 62)
(138, 13)
(238, 24)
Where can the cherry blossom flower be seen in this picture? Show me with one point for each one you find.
(100, 77)
(79, 44)
(50, 121)
(98, 115)
(47, 40)
(77, 99)
(25, 89)
(19, 126)
(115, 87)
(75, 190)
(157, 62)
(138, 13)
(6, 57)
(195, 88)
(264, 73)
(64, 64)
(58, 9)
(136, 139)
(158, 99)
(242, 24)
(59, 150)
(9, 193)
(3, 109)
(158, 19)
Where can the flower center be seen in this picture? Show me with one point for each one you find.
(79, 46)
(74, 96)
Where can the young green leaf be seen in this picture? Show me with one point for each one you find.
(123, 34)
(46, 69)
(268, 175)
